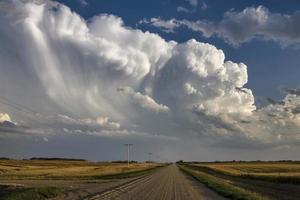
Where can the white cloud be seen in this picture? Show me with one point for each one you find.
(4, 117)
(125, 133)
(143, 101)
(78, 66)
(197, 77)
(83, 2)
(104, 121)
(193, 2)
(183, 9)
(11, 129)
(239, 27)
(98, 123)
(276, 124)
(204, 6)
(166, 26)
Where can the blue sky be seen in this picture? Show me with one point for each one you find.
(184, 79)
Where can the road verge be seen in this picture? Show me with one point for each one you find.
(221, 186)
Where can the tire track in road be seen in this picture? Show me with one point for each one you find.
(167, 183)
(114, 192)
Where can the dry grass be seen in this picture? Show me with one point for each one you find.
(223, 187)
(273, 180)
(257, 169)
(41, 169)
(40, 193)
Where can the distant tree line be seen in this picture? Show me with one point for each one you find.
(243, 161)
(62, 159)
(4, 158)
(124, 161)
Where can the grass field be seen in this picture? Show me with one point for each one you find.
(285, 172)
(8, 193)
(224, 188)
(249, 180)
(42, 179)
(60, 169)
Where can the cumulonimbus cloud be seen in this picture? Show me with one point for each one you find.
(239, 27)
(100, 67)
(143, 101)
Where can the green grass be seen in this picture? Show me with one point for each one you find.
(223, 187)
(33, 193)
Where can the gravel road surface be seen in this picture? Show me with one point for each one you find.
(168, 183)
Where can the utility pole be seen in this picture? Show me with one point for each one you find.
(150, 154)
(128, 147)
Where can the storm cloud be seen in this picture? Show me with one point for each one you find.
(101, 78)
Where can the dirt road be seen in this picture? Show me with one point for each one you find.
(166, 184)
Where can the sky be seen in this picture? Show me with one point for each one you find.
(181, 79)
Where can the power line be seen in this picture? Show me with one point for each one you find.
(150, 154)
(128, 148)
(24, 110)
(16, 106)
(21, 109)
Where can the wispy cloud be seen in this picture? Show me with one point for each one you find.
(240, 27)
(183, 9)
(193, 2)
(194, 6)
(166, 26)
(83, 2)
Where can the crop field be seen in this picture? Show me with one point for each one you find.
(274, 171)
(59, 169)
(41, 179)
(249, 180)
(75, 179)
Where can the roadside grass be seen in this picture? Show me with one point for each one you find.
(223, 187)
(32, 193)
(66, 170)
(129, 174)
(13, 170)
(273, 171)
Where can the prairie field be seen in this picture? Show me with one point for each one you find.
(62, 169)
(276, 171)
(67, 179)
(249, 180)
